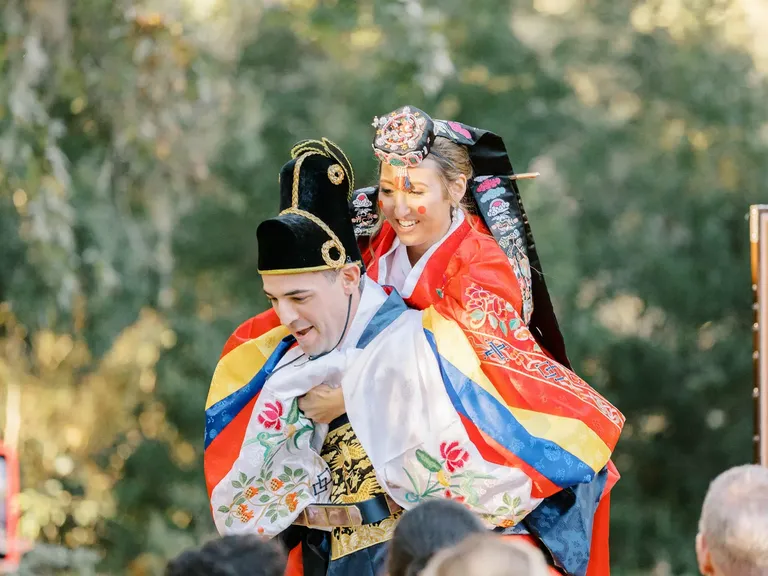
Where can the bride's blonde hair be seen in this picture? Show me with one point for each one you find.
(453, 161)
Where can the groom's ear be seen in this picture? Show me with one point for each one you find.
(350, 278)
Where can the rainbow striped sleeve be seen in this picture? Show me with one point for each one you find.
(555, 451)
(237, 382)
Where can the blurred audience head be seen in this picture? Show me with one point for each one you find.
(488, 555)
(427, 529)
(733, 530)
(231, 556)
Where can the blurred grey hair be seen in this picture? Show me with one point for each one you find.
(734, 521)
(488, 555)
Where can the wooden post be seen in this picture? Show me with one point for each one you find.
(758, 237)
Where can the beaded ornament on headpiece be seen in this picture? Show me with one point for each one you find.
(402, 140)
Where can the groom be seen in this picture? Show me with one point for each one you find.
(333, 493)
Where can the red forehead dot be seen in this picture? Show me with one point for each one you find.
(422, 210)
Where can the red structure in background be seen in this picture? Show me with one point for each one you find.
(758, 238)
(10, 549)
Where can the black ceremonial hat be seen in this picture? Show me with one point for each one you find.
(313, 231)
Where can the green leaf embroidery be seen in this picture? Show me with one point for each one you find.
(507, 499)
(504, 329)
(298, 472)
(493, 321)
(228, 521)
(264, 498)
(472, 476)
(439, 293)
(293, 413)
(236, 484)
(514, 323)
(283, 512)
(287, 470)
(240, 500)
(284, 477)
(516, 502)
(434, 490)
(502, 511)
(477, 315)
(223, 509)
(243, 478)
(413, 482)
(251, 479)
(428, 461)
(298, 434)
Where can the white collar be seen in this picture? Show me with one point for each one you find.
(371, 299)
(418, 268)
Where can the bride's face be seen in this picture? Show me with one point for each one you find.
(420, 216)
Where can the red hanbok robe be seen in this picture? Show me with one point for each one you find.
(468, 279)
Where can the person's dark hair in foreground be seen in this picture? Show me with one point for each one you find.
(427, 529)
(247, 555)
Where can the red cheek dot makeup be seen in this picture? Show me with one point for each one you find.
(421, 210)
(381, 204)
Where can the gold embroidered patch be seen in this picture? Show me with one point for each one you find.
(345, 541)
(354, 480)
(335, 174)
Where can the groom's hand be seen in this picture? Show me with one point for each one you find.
(323, 404)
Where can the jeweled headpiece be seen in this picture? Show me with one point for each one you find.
(403, 139)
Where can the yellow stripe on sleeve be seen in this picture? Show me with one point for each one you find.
(241, 364)
(570, 434)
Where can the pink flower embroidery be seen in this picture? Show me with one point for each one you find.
(270, 416)
(454, 456)
(456, 127)
(522, 334)
(477, 296)
(456, 497)
(481, 299)
(488, 184)
(498, 307)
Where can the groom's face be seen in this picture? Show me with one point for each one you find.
(313, 305)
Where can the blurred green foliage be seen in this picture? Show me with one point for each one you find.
(140, 143)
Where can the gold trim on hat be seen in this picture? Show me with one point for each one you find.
(296, 175)
(294, 270)
(283, 271)
(335, 173)
(310, 146)
(334, 242)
